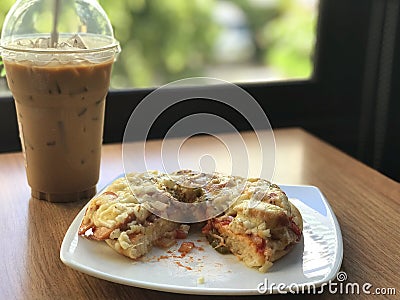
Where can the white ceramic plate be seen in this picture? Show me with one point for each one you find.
(312, 262)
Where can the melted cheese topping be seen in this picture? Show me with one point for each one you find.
(160, 190)
(252, 219)
(116, 205)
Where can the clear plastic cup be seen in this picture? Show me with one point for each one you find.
(59, 80)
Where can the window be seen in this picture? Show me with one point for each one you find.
(233, 40)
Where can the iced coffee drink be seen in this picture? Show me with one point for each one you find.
(60, 111)
(59, 87)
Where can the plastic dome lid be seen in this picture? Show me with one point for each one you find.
(30, 25)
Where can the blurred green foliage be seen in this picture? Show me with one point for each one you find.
(5, 6)
(283, 34)
(161, 40)
(165, 40)
(292, 39)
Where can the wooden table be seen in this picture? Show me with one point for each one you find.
(366, 203)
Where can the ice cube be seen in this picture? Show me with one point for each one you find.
(63, 46)
(42, 43)
(26, 43)
(76, 42)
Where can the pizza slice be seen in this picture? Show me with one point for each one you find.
(259, 228)
(119, 218)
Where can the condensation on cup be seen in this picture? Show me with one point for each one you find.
(58, 56)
